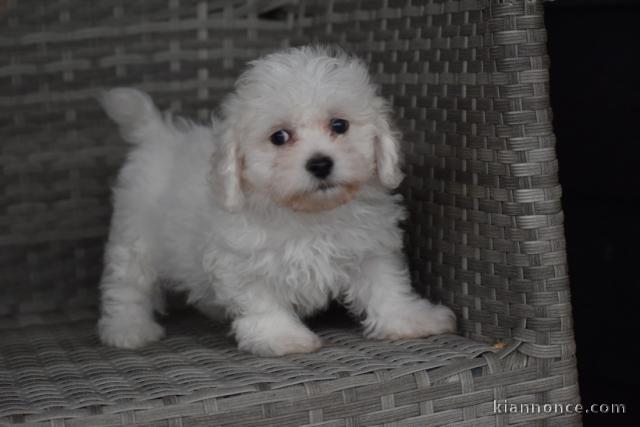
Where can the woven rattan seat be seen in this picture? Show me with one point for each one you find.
(54, 364)
(468, 80)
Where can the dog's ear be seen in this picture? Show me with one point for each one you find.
(387, 149)
(227, 170)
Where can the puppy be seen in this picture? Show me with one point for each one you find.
(280, 205)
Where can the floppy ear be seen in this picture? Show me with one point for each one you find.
(226, 171)
(388, 155)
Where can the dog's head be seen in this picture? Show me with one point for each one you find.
(306, 127)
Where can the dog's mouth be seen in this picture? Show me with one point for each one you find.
(324, 196)
(325, 186)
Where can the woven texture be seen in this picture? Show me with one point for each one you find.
(53, 367)
(59, 153)
(468, 80)
(469, 83)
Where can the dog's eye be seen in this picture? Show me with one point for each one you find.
(280, 137)
(339, 126)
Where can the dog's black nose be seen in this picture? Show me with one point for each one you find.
(320, 166)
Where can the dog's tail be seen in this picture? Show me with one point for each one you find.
(132, 109)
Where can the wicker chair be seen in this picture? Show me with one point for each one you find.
(469, 82)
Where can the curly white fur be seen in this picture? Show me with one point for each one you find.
(242, 226)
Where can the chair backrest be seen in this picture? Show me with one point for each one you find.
(58, 151)
(468, 80)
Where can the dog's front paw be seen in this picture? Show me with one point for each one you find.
(418, 319)
(266, 337)
(286, 342)
(127, 333)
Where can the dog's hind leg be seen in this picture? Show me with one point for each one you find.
(127, 303)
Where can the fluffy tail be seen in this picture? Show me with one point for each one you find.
(132, 110)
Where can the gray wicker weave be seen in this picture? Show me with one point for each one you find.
(469, 83)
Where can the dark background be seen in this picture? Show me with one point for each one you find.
(595, 96)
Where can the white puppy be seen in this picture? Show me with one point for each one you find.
(279, 206)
